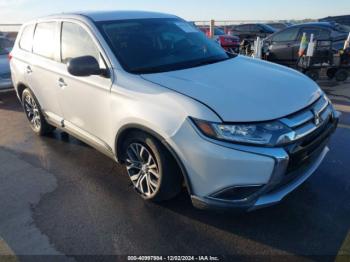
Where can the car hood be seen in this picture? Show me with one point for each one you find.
(243, 89)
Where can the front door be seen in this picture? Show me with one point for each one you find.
(281, 46)
(84, 100)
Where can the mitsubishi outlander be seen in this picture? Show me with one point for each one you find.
(150, 91)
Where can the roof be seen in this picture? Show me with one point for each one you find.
(317, 24)
(113, 15)
(343, 19)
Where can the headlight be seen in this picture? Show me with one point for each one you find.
(266, 134)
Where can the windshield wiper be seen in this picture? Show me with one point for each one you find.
(146, 70)
(180, 66)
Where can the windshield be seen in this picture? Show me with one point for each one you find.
(219, 32)
(268, 28)
(157, 45)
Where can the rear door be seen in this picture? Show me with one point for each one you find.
(22, 54)
(282, 45)
(42, 69)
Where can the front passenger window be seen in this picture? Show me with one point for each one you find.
(76, 42)
(44, 39)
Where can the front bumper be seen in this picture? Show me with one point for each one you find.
(267, 199)
(213, 167)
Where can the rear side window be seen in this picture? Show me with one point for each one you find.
(44, 39)
(290, 34)
(319, 33)
(76, 42)
(26, 41)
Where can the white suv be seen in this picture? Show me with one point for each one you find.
(152, 92)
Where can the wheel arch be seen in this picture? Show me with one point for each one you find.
(20, 88)
(127, 129)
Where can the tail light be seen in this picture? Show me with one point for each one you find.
(9, 56)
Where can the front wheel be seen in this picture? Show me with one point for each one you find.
(33, 112)
(151, 168)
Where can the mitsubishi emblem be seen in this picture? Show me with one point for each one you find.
(317, 118)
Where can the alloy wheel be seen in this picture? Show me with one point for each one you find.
(32, 112)
(142, 169)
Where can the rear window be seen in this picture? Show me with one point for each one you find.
(319, 33)
(243, 28)
(44, 39)
(219, 32)
(26, 41)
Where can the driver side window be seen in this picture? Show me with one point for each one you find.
(76, 42)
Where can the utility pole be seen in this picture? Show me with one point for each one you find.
(212, 27)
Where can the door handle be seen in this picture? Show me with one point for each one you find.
(29, 70)
(61, 83)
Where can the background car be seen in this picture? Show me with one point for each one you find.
(279, 26)
(342, 19)
(251, 31)
(283, 46)
(228, 42)
(5, 73)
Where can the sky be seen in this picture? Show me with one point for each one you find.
(18, 11)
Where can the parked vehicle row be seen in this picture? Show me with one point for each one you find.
(167, 110)
(5, 74)
(251, 31)
(279, 26)
(283, 46)
(228, 42)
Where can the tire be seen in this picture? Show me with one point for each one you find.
(331, 73)
(151, 168)
(341, 75)
(33, 112)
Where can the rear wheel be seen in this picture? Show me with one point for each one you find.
(341, 75)
(151, 168)
(33, 112)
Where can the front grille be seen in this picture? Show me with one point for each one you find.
(313, 127)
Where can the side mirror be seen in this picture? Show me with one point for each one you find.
(84, 66)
